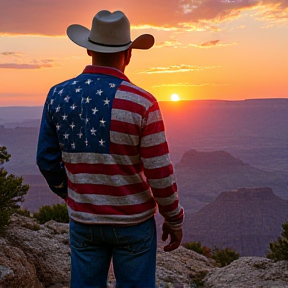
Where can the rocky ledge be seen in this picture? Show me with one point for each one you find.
(38, 256)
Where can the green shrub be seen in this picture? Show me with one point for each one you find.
(22, 212)
(57, 212)
(11, 191)
(224, 257)
(4, 220)
(279, 248)
(197, 247)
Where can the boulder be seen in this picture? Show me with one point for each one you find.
(45, 247)
(249, 272)
(181, 267)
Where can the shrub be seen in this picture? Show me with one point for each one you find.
(57, 212)
(279, 248)
(197, 247)
(224, 257)
(4, 220)
(22, 212)
(11, 191)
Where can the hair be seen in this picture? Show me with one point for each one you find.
(108, 59)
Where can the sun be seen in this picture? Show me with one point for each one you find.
(175, 97)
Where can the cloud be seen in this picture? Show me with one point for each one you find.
(210, 44)
(172, 43)
(13, 53)
(214, 43)
(277, 12)
(175, 69)
(214, 11)
(53, 17)
(24, 66)
(21, 63)
(217, 11)
(154, 27)
(180, 27)
(19, 60)
(43, 61)
(201, 25)
(187, 84)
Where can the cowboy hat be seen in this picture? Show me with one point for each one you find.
(110, 33)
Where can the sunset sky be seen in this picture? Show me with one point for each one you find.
(205, 49)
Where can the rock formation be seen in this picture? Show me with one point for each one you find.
(33, 255)
(246, 220)
(249, 272)
(202, 176)
(37, 256)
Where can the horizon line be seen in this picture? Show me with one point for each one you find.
(174, 102)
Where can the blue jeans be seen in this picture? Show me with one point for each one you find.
(132, 250)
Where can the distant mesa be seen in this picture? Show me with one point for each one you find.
(246, 220)
(202, 176)
(209, 160)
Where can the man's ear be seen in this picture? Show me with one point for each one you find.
(128, 56)
(89, 52)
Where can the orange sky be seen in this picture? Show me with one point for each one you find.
(205, 49)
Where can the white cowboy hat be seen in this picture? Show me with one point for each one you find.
(110, 33)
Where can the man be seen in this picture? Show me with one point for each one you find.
(102, 148)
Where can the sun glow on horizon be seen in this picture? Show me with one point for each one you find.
(175, 97)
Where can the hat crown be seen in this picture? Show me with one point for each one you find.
(110, 28)
(110, 33)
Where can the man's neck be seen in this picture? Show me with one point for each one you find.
(116, 66)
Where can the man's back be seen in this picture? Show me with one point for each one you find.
(110, 132)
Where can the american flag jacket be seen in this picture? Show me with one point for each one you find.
(102, 147)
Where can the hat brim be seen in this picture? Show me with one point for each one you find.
(79, 35)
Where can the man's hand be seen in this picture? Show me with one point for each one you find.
(175, 237)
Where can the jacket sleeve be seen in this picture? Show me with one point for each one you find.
(48, 156)
(158, 167)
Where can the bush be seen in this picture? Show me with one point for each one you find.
(57, 212)
(224, 257)
(197, 247)
(11, 191)
(4, 220)
(22, 212)
(279, 248)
